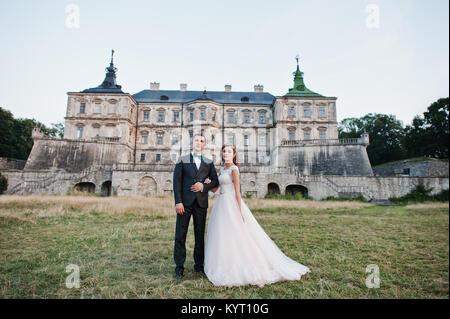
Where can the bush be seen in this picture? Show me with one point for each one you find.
(3, 184)
(360, 198)
(297, 196)
(421, 194)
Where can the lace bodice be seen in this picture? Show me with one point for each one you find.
(226, 179)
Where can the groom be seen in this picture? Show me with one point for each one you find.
(191, 198)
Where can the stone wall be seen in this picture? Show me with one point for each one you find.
(432, 168)
(350, 160)
(8, 163)
(126, 180)
(74, 155)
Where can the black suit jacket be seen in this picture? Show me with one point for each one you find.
(186, 174)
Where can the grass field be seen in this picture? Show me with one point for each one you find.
(124, 248)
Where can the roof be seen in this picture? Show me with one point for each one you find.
(177, 96)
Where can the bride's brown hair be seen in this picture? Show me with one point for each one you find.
(235, 161)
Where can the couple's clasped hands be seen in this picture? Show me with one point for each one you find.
(207, 181)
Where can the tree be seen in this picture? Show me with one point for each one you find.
(15, 137)
(428, 135)
(3, 184)
(385, 134)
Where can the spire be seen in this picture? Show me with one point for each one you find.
(299, 88)
(109, 84)
(110, 78)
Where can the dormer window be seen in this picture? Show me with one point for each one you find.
(164, 98)
(244, 99)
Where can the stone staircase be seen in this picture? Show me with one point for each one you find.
(30, 185)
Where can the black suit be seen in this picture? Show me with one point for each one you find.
(185, 175)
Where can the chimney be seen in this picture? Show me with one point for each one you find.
(154, 86)
(227, 87)
(183, 87)
(259, 88)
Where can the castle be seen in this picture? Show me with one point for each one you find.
(122, 144)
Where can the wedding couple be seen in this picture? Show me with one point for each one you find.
(237, 250)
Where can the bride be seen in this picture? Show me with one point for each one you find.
(237, 250)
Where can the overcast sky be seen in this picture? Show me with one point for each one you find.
(378, 56)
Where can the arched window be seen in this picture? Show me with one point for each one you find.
(164, 98)
(244, 99)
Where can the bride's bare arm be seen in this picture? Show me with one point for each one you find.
(207, 181)
(237, 189)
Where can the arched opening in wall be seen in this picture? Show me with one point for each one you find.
(84, 187)
(106, 189)
(295, 189)
(147, 186)
(273, 188)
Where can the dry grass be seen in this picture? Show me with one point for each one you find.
(124, 247)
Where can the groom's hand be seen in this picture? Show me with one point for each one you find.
(197, 187)
(179, 208)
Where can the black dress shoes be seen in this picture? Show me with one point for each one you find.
(178, 275)
(201, 273)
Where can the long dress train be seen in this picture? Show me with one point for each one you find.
(239, 252)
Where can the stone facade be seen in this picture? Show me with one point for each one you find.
(413, 167)
(120, 144)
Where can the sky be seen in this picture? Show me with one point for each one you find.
(375, 56)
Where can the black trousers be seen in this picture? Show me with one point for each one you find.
(179, 254)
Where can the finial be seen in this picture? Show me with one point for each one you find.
(112, 54)
(296, 57)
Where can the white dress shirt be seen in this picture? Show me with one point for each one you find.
(197, 162)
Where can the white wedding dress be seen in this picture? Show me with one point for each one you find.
(239, 252)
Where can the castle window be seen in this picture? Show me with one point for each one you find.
(245, 140)
(262, 118)
(246, 117)
(160, 116)
(262, 140)
(142, 157)
(97, 108)
(307, 134)
(244, 99)
(146, 115)
(176, 116)
(191, 116)
(202, 115)
(191, 136)
(214, 116)
(307, 111)
(164, 98)
(291, 111)
(80, 132)
(291, 135)
(144, 138)
(231, 139)
(159, 138)
(231, 118)
(174, 139)
(158, 157)
(213, 139)
(82, 108)
(321, 111)
(322, 134)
